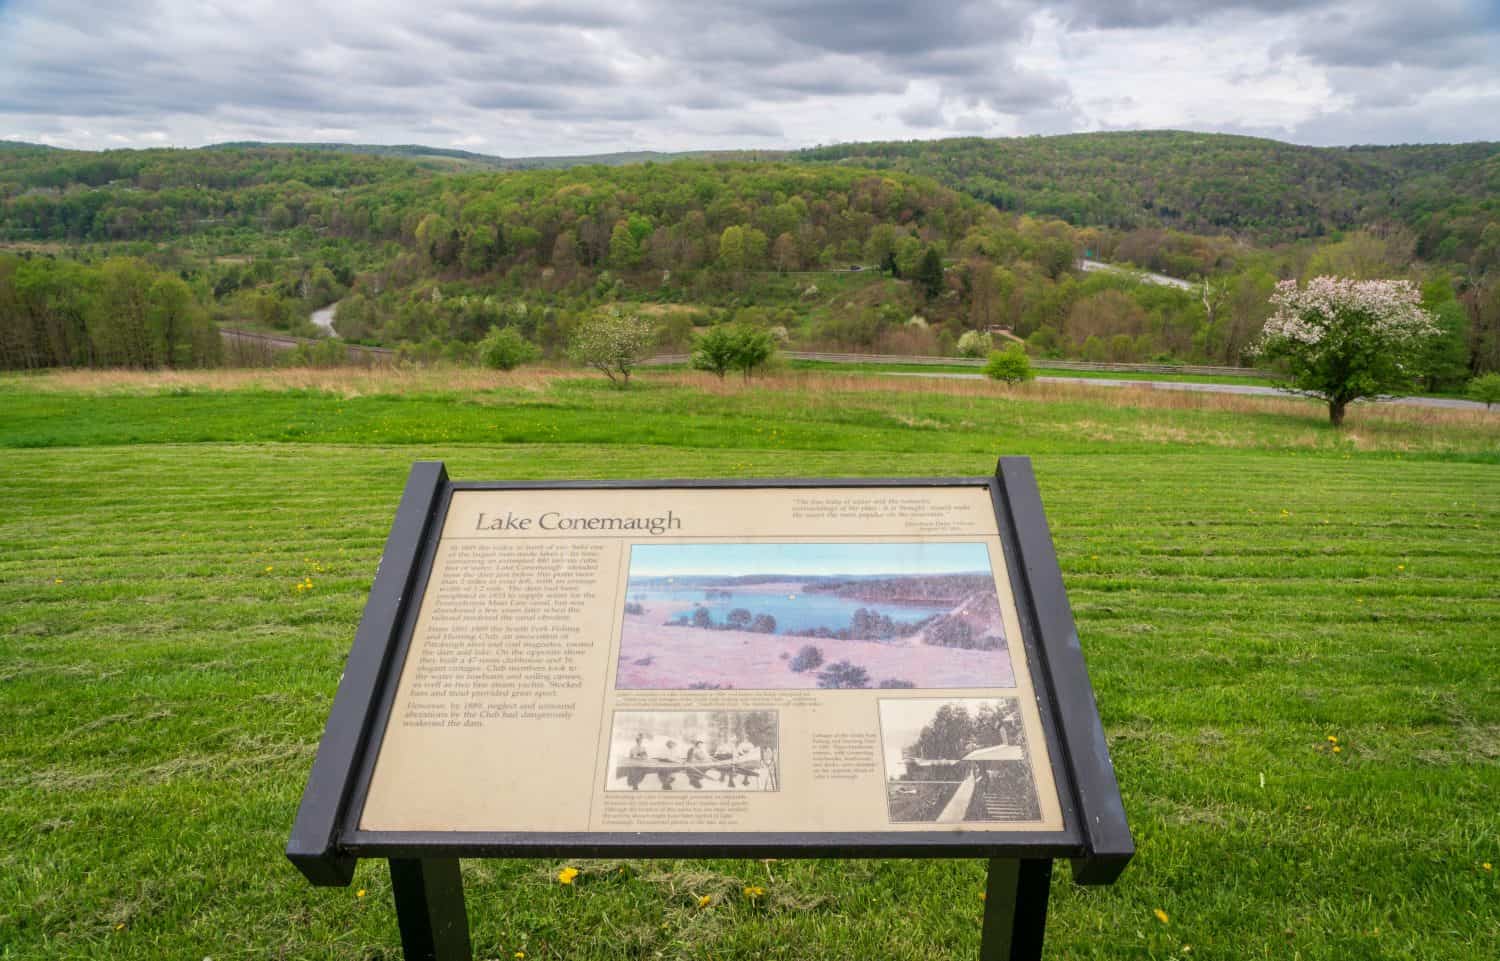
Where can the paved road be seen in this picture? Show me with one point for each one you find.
(1249, 389)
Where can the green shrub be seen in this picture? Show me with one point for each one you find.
(715, 350)
(1010, 365)
(1485, 389)
(753, 348)
(503, 348)
(733, 347)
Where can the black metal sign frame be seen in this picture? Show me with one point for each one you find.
(326, 840)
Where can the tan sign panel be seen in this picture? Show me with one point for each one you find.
(664, 660)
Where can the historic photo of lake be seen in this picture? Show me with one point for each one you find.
(773, 616)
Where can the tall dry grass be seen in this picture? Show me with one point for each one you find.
(1143, 396)
(343, 381)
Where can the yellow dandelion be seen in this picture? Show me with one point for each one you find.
(566, 875)
(57, 580)
(361, 893)
(1332, 739)
(120, 926)
(1337, 749)
(1400, 567)
(520, 954)
(1160, 915)
(705, 900)
(754, 891)
(1488, 866)
(270, 568)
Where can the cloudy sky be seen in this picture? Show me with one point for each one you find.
(524, 78)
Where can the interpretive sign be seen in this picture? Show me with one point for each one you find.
(776, 668)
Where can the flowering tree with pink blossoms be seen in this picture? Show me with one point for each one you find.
(1346, 339)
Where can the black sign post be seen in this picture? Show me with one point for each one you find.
(327, 838)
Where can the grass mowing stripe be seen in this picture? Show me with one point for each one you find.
(165, 697)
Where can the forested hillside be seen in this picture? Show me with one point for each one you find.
(129, 257)
(1447, 195)
(418, 256)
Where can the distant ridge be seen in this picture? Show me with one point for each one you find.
(1206, 183)
(408, 151)
(1446, 195)
(471, 159)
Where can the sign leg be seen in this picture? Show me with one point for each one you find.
(1015, 910)
(430, 909)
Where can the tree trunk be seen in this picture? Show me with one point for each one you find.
(1336, 410)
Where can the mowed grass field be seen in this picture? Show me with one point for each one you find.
(1249, 586)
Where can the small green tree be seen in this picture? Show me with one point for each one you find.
(930, 273)
(612, 341)
(1346, 339)
(624, 248)
(503, 348)
(1010, 366)
(732, 253)
(975, 343)
(1445, 357)
(715, 350)
(1485, 389)
(908, 255)
(753, 347)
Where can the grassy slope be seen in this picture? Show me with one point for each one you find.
(1243, 592)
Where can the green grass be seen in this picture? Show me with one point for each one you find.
(1246, 585)
(811, 413)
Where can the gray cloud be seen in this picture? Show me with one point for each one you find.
(530, 76)
(1402, 123)
(1448, 32)
(748, 126)
(1139, 14)
(927, 115)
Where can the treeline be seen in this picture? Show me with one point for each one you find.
(119, 313)
(1264, 190)
(266, 239)
(84, 196)
(668, 216)
(434, 261)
